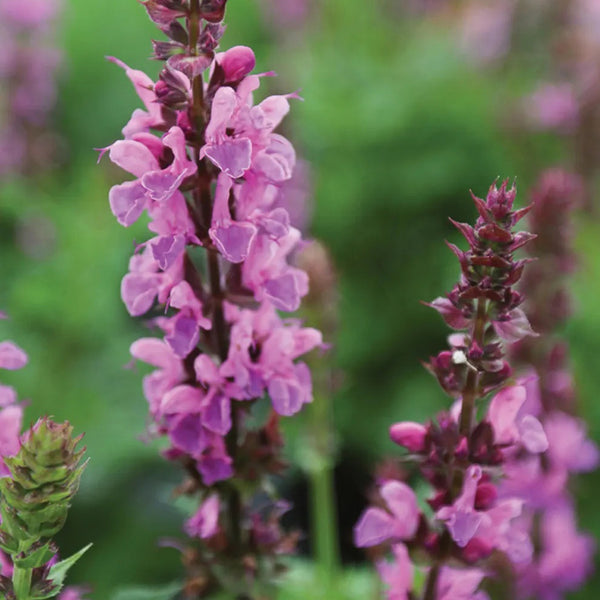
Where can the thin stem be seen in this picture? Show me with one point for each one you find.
(324, 514)
(431, 583)
(22, 582)
(193, 27)
(220, 332)
(469, 393)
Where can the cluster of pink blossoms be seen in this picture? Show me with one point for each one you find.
(563, 557)
(208, 170)
(28, 64)
(13, 358)
(463, 458)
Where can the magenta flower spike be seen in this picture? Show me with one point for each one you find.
(463, 453)
(543, 481)
(29, 62)
(207, 172)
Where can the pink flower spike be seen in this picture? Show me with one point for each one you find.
(12, 357)
(410, 435)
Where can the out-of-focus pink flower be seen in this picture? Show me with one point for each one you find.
(377, 525)
(510, 425)
(28, 67)
(486, 29)
(492, 528)
(205, 522)
(552, 106)
(397, 574)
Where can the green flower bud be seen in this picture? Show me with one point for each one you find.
(34, 501)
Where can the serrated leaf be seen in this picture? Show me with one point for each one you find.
(58, 572)
(165, 592)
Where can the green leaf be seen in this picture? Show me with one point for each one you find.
(37, 558)
(165, 592)
(58, 572)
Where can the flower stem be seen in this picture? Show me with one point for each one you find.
(220, 336)
(431, 583)
(469, 394)
(22, 582)
(324, 514)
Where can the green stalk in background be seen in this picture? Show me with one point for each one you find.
(321, 304)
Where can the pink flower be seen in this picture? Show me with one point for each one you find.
(565, 558)
(400, 523)
(569, 446)
(398, 574)
(11, 420)
(11, 356)
(73, 593)
(169, 373)
(553, 106)
(154, 185)
(205, 522)
(460, 584)
(510, 426)
(410, 435)
(141, 121)
(492, 528)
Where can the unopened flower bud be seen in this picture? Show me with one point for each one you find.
(237, 62)
(44, 477)
(410, 435)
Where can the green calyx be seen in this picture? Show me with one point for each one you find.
(34, 501)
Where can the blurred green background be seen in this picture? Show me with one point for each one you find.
(398, 127)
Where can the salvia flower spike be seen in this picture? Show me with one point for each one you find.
(460, 456)
(208, 171)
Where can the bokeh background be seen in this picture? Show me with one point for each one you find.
(399, 120)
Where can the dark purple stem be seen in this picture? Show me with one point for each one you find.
(220, 334)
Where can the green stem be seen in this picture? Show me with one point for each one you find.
(22, 583)
(324, 514)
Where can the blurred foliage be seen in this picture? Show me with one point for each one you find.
(397, 127)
